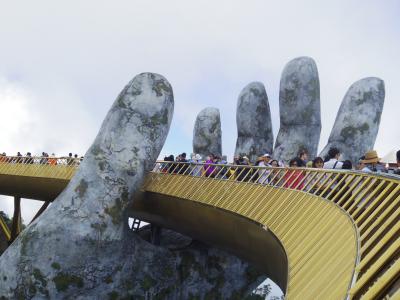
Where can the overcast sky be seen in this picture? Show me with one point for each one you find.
(62, 65)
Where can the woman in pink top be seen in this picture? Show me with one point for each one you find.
(294, 179)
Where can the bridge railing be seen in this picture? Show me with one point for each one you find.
(50, 167)
(4, 228)
(372, 201)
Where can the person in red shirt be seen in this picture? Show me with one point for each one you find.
(294, 179)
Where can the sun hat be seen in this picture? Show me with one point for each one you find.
(197, 156)
(371, 157)
(267, 155)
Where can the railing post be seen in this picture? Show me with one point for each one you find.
(16, 227)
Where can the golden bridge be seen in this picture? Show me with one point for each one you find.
(319, 234)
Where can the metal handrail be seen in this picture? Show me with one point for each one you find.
(41, 160)
(371, 200)
(38, 166)
(5, 228)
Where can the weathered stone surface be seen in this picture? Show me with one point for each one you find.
(204, 272)
(253, 120)
(300, 111)
(81, 246)
(357, 121)
(3, 238)
(207, 132)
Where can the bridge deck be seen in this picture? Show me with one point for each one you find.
(339, 231)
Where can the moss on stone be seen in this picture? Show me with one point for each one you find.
(37, 274)
(214, 262)
(255, 91)
(102, 165)
(186, 264)
(213, 294)
(99, 227)
(81, 188)
(96, 150)
(160, 118)
(108, 279)
(193, 297)
(168, 272)
(120, 101)
(113, 295)
(64, 280)
(26, 237)
(118, 268)
(365, 97)
(306, 116)
(163, 294)
(56, 266)
(32, 289)
(147, 283)
(290, 97)
(115, 212)
(377, 117)
(159, 87)
(349, 132)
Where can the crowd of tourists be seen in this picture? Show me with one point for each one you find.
(44, 159)
(211, 166)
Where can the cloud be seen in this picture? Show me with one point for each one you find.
(41, 118)
(63, 64)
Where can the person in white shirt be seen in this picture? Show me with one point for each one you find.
(333, 162)
(263, 173)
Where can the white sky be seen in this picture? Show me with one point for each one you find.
(63, 64)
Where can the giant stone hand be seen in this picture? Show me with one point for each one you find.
(354, 131)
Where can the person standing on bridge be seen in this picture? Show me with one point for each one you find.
(303, 158)
(52, 160)
(197, 168)
(70, 160)
(372, 163)
(209, 167)
(333, 159)
(263, 173)
(294, 179)
(397, 171)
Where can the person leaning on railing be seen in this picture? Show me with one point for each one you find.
(372, 163)
(210, 169)
(263, 173)
(168, 166)
(52, 160)
(294, 179)
(3, 157)
(333, 159)
(397, 171)
(317, 184)
(196, 167)
(243, 173)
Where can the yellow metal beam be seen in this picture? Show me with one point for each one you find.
(5, 228)
(334, 226)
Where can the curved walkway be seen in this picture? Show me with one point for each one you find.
(339, 230)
